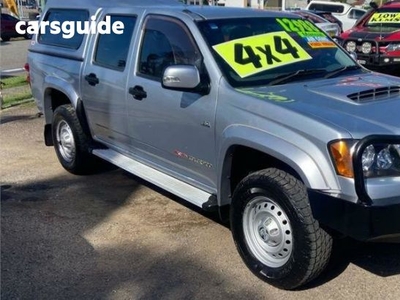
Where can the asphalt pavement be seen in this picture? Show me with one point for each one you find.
(13, 56)
(112, 236)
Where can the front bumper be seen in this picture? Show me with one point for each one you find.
(378, 61)
(357, 220)
(375, 59)
(367, 218)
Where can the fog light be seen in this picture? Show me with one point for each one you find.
(386, 60)
(366, 48)
(351, 46)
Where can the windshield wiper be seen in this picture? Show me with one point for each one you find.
(340, 70)
(299, 73)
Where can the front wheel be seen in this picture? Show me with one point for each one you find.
(275, 232)
(70, 141)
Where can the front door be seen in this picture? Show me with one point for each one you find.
(173, 130)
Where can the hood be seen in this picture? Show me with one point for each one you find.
(359, 105)
(372, 33)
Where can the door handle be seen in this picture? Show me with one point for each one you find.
(92, 79)
(137, 92)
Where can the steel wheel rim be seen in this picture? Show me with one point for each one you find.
(268, 232)
(65, 141)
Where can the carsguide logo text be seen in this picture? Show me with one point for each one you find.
(69, 28)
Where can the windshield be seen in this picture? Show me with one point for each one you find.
(387, 17)
(252, 52)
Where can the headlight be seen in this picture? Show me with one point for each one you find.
(351, 46)
(376, 160)
(381, 160)
(368, 158)
(393, 47)
(366, 48)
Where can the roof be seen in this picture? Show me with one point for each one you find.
(195, 11)
(218, 12)
(111, 3)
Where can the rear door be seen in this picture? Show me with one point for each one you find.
(103, 84)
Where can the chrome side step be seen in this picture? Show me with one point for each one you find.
(166, 182)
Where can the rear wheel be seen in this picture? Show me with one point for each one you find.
(70, 141)
(5, 39)
(275, 232)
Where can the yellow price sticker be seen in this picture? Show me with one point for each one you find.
(258, 53)
(385, 18)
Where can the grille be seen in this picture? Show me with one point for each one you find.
(375, 94)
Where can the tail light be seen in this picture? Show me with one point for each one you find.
(28, 76)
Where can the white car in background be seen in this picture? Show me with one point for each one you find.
(344, 12)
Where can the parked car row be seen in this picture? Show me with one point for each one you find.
(346, 13)
(375, 38)
(259, 116)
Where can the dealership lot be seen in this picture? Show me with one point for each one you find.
(112, 236)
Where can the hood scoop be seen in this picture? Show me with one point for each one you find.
(375, 94)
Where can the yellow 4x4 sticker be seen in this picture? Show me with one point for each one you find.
(385, 18)
(254, 54)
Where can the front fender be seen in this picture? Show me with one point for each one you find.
(310, 162)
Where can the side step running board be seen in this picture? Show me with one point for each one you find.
(183, 190)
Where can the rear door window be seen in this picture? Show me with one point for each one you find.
(112, 49)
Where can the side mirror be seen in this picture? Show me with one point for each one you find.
(184, 78)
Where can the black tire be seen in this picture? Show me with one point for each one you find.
(28, 36)
(70, 141)
(5, 39)
(275, 232)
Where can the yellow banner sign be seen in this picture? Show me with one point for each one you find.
(255, 54)
(385, 18)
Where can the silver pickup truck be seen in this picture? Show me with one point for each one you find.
(256, 115)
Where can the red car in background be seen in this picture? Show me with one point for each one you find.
(375, 38)
(8, 30)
